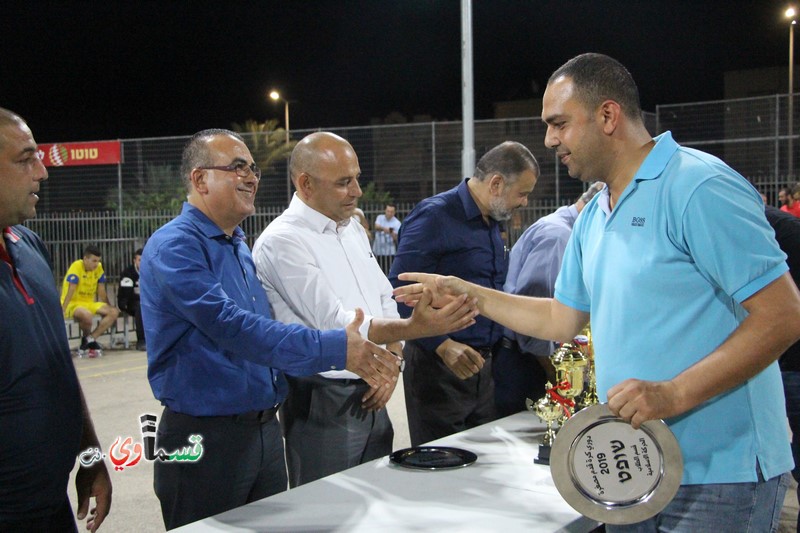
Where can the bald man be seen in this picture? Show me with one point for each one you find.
(216, 358)
(317, 267)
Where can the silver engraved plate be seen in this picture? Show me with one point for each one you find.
(612, 473)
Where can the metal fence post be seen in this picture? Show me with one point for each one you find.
(433, 157)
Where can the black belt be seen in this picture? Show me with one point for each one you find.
(343, 382)
(347, 381)
(256, 417)
(509, 344)
(485, 351)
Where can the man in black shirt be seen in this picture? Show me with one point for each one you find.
(128, 297)
(787, 233)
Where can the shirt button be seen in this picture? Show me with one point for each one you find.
(333, 367)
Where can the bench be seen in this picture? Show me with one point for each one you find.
(114, 332)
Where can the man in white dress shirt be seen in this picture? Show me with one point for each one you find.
(317, 268)
(387, 227)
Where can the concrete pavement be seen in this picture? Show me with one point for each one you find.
(117, 393)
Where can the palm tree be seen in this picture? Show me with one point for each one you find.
(266, 141)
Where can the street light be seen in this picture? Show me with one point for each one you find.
(790, 14)
(275, 95)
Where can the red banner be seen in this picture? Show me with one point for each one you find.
(75, 154)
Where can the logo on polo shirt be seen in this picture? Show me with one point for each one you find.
(638, 221)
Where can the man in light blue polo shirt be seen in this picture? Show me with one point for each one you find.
(688, 294)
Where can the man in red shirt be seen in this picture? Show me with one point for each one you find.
(788, 203)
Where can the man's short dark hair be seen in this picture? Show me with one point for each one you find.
(509, 159)
(8, 118)
(598, 78)
(195, 153)
(139, 251)
(91, 249)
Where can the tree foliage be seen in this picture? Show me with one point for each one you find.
(159, 189)
(266, 141)
(370, 195)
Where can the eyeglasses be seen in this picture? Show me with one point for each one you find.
(241, 168)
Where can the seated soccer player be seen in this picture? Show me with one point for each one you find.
(83, 295)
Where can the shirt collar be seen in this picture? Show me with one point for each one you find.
(656, 161)
(572, 211)
(313, 218)
(206, 225)
(10, 234)
(470, 207)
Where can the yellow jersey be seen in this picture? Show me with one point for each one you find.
(86, 282)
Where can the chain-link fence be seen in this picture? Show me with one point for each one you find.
(750, 134)
(118, 207)
(409, 161)
(66, 234)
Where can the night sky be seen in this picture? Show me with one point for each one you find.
(125, 69)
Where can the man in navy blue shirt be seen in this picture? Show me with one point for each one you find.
(44, 422)
(787, 233)
(521, 367)
(448, 379)
(215, 356)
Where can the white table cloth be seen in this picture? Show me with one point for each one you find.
(502, 491)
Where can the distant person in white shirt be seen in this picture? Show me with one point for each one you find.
(317, 268)
(386, 227)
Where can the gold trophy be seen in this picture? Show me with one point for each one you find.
(549, 411)
(584, 343)
(570, 363)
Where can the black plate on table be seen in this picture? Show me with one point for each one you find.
(432, 458)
